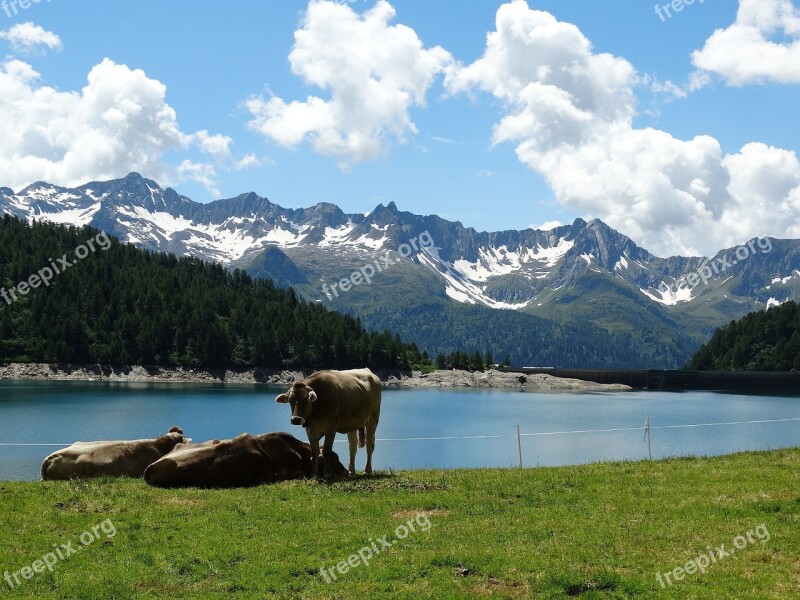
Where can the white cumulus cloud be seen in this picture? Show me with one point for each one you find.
(763, 45)
(570, 110)
(249, 161)
(375, 72)
(547, 226)
(218, 146)
(118, 123)
(29, 37)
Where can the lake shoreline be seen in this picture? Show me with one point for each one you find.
(490, 379)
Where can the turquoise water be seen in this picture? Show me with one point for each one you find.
(61, 413)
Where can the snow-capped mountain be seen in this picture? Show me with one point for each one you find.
(138, 211)
(579, 272)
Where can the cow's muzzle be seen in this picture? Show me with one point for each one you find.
(298, 421)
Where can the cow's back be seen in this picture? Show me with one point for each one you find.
(239, 462)
(374, 383)
(289, 457)
(189, 446)
(97, 459)
(345, 399)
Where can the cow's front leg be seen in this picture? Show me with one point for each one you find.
(313, 441)
(353, 439)
(327, 452)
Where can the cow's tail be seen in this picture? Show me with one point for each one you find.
(362, 437)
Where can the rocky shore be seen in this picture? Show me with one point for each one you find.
(142, 374)
(501, 380)
(391, 378)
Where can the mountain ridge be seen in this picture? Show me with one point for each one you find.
(584, 271)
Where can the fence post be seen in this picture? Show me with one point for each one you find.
(648, 434)
(519, 446)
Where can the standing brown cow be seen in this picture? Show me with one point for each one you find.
(328, 402)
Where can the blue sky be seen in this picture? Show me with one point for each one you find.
(220, 62)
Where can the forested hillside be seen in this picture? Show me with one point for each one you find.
(762, 341)
(127, 306)
(529, 340)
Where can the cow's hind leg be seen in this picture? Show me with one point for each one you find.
(370, 446)
(372, 426)
(351, 437)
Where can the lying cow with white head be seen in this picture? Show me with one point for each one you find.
(328, 402)
(114, 459)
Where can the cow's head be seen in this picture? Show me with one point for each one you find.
(300, 398)
(176, 433)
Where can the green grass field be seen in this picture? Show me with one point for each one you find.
(596, 531)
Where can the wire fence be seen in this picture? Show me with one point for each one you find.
(646, 428)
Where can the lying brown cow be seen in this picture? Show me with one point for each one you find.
(241, 462)
(188, 446)
(116, 459)
(328, 402)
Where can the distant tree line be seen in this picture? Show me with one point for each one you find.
(129, 306)
(761, 341)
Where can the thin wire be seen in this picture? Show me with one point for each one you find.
(58, 445)
(537, 434)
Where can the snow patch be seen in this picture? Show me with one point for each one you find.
(370, 242)
(550, 256)
(773, 302)
(73, 216)
(458, 287)
(784, 280)
(670, 297)
(495, 262)
(337, 235)
(283, 237)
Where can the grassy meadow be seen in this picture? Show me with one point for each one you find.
(594, 531)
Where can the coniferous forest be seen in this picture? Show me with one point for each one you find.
(124, 306)
(762, 341)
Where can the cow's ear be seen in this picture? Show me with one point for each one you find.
(312, 396)
(282, 399)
